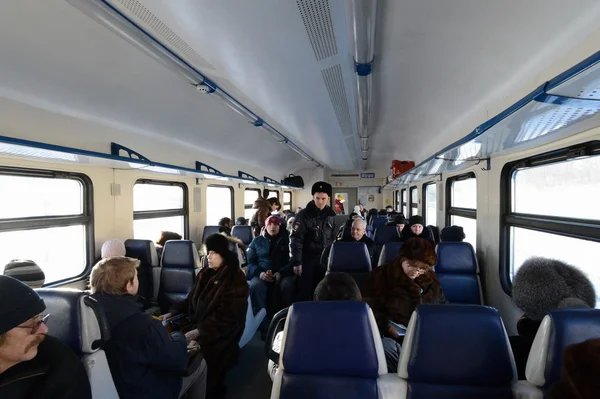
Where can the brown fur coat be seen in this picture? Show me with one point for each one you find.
(393, 296)
(263, 211)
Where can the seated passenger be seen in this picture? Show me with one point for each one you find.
(340, 287)
(216, 310)
(452, 234)
(400, 222)
(241, 221)
(579, 372)
(32, 364)
(268, 264)
(225, 225)
(164, 237)
(357, 234)
(540, 286)
(371, 214)
(389, 209)
(26, 271)
(144, 361)
(416, 228)
(396, 289)
(264, 208)
(112, 248)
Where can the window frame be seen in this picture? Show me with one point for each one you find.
(232, 198)
(424, 200)
(397, 205)
(457, 211)
(268, 190)
(413, 205)
(163, 213)
(584, 229)
(404, 204)
(250, 206)
(291, 200)
(86, 218)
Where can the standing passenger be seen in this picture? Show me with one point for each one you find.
(314, 230)
(264, 208)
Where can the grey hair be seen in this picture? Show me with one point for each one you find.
(542, 285)
(360, 221)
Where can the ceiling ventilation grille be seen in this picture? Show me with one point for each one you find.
(151, 24)
(345, 175)
(334, 81)
(316, 16)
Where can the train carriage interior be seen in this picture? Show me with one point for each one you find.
(122, 119)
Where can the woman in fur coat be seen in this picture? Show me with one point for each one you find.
(395, 290)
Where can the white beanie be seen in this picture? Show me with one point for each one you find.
(112, 248)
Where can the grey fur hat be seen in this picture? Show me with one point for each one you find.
(543, 284)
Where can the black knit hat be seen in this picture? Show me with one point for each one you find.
(416, 219)
(18, 303)
(400, 219)
(217, 243)
(321, 187)
(26, 271)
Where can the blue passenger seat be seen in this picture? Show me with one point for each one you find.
(208, 231)
(457, 271)
(330, 350)
(180, 261)
(79, 322)
(383, 235)
(352, 258)
(145, 252)
(378, 222)
(244, 233)
(389, 252)
(456, 351)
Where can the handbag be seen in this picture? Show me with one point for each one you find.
(293, 180)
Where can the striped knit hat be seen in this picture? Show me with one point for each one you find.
(26, 271)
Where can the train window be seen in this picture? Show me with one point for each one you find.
(430, 204)
(404, 202)
(397, 200)
(159, 206)
(219, 204)
(271, 193)
(414, 201)
(535, 227)
(461, 207)
(250, 195)
(287, 200)
(47, 208)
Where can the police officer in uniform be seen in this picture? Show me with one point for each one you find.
(313, 231)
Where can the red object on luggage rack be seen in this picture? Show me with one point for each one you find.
(400, 167)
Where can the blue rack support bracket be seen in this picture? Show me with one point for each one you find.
(115, 150)
(247, 176)
(488, 164)
(363, 69)
(272, 181)
(207, 168)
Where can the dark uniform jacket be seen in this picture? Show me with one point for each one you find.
(54, 373)
(313, 231)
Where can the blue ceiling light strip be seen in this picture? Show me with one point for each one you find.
(212, 85)
(539, 95)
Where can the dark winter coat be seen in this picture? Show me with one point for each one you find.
(217, 308)
(393, 296)
(270, 253)
(263, 211)
(425, 234)
(313, 231)
(144, 360)
(54, 373)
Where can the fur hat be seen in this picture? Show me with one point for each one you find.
(217, 243)
(321, 187)
(416, 219)
(453, 233)
(418, 249)
(543, 284)
(113, 248)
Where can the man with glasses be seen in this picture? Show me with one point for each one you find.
(32, 364)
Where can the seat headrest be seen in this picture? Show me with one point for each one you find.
(389, 252)
(456, 257)
(384, 234)
(208, 231)
(180, 254)
(76, 319)
(144, 250)
(338, 338)
(457, 345)
(349, 257)
(558, 330)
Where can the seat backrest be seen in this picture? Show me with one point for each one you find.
(389, 252)
(457, 271)
(244, 233)
(472, 358)
(179, 263)
(329, 350)
(352, 258)
(558, 330)
(145, 251)
(378, 222)
(384, 234)
(208, 231)
(340, 220)
(79, 321)
(435, 233)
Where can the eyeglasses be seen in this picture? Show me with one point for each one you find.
(36, 326)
